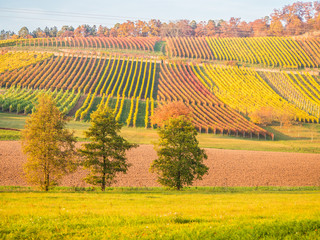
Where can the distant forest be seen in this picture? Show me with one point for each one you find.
(292, 20)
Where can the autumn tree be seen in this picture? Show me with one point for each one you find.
(244, 29)
(104, 156)
(23, 32)
(102, 31)
(260, 27)
(126, 29)
(50, 148)
(193, 25)
(154, 27)
(170, 110)
(141, 29)
(276, 28)
(53, 31)
(66, 31)
(200, 30)
(211, 28)
(268, 115)
(38, 33)
(180, 160)
(263, 116)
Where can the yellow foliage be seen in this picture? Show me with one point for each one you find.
(14, 60)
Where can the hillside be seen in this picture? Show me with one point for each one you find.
(224, 81)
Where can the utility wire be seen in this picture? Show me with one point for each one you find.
(54, 20)
(71, 14)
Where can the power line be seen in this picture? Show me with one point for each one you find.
(108, 18)
(72, 14)
(55, 20)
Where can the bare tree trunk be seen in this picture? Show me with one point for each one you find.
(103, 184)
(46, 177)
(47, 182)
(178, 183)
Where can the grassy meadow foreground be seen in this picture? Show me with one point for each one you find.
(125, 213)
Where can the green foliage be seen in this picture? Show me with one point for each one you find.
(104, 156)
(50, 148)
(180, 158)
(23, 100)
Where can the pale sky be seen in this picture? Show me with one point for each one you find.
(15, 14)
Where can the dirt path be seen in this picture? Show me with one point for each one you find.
(77, 106)
(227, 168)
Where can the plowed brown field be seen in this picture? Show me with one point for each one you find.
(227, 168)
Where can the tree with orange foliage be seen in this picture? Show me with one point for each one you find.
(141, 29)
(276, 28)
(103, 31)
(260, 27)
(263, 116)
(200, 30)
(154, 27)
(267, 115)
(244, 29)
(170, 110)
(126, 29)
(210, 28)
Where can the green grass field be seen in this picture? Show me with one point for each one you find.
(122, 213)
(304, 138)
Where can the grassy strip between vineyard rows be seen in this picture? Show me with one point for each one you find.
(206, 213)
(303, 138)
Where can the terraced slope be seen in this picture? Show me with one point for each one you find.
(269, 51)
(221, 98)
(100, 75)
(303, 90)
(122, 83)
(16, 60)
(246, 91)
(23, 100)
(136, 43)
(179, 83)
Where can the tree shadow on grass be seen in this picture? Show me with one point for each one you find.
(280, 136)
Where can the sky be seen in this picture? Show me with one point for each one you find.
(15, 14)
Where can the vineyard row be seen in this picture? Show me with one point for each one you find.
(269, 51)
(134, 43)
(106, 75)
(217, 96)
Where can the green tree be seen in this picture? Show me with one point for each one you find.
(23, 32)
(180, 160)
(105, 155)
(50, 148)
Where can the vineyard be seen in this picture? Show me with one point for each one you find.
(113, 79)
(245, 91)
(137, 43)
(178, 83)
(221, 98)
(23, 100)
(268, 51)
(17, 60)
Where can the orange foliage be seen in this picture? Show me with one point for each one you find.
(267, 115)
(170, 110)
